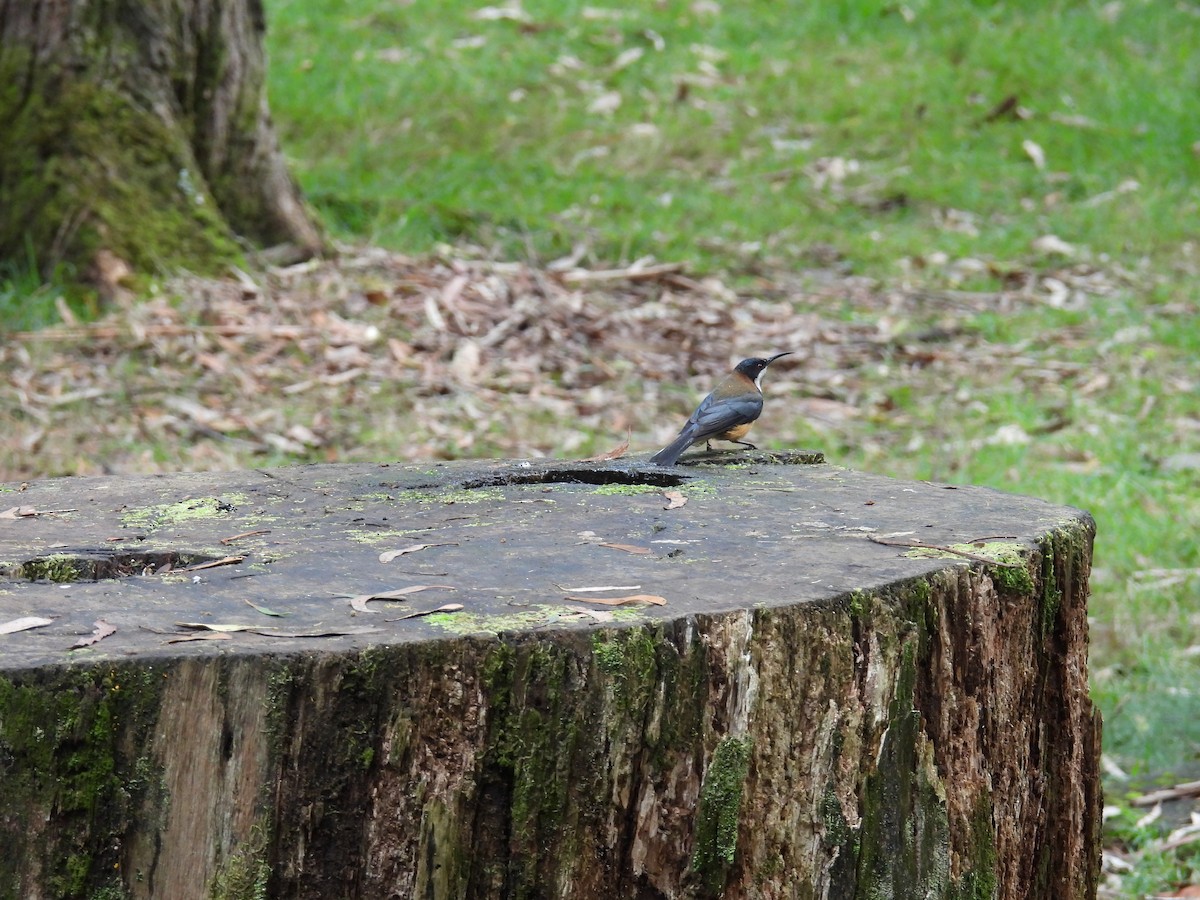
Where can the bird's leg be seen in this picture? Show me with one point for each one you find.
(708, 446)
(746, 444)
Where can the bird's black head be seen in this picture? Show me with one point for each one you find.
(753, 367)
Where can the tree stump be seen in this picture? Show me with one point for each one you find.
(138, 134)
(815, 708)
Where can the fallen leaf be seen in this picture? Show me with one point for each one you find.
(326, 632)
(264, 610)
(1035, 153)
(1181, 462)
(1011, 435)
(1053, 244)
(1127, 185)
(652, 599)
(615, 453)
(448, 607)
(388, 555)
(224, 632)
(205, 626)
(1151, 817)
(24, 624)
(493, 13)
(29, 512)
(627, 58)
(1006, 108)
(675, 499)
(360, 601)
(467, 362)
(634, 273)
(1073, 121)
(628, 548)
(472, 42)
(605, 103)
(595, 590)
(200, 636)
(102, 630)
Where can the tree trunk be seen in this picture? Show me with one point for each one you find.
(138, 133)
(808, 714)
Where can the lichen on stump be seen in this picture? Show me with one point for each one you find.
(138, 135)
(810, 713)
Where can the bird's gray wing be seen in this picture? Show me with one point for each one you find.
(717, 415)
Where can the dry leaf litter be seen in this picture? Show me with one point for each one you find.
(377, 356)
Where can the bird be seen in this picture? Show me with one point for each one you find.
(726, 414)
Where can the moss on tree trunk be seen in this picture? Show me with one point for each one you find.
(140, 132)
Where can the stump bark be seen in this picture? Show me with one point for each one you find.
(810, 713)
(138, 134)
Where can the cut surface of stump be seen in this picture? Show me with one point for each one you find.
(401, 680)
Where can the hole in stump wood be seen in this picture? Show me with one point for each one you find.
(95, 564)
(577, 476)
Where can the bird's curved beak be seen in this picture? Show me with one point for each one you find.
(778, 355)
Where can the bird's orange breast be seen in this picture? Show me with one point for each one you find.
(736, 433)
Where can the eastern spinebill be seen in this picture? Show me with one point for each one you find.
(726, 414)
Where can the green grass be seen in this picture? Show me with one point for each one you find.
(416, 124)
(30, 301)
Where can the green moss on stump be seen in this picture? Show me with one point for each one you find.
(1060, 548)
(533, 737)
(979, 882)
(58, 568)
(164, 515)
(720, 806)
(1013, 576)
(443, 864)
(626, 489)
(66, 742)
(245, 873)
(630, 659)
(905, 828)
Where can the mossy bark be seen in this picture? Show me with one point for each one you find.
(140, 132)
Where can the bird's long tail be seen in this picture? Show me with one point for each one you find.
(670, 453)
